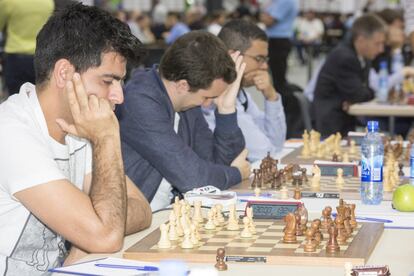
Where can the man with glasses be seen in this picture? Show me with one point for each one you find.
(263, 131)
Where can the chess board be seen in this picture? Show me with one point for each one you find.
(350, 190)
(295, 157)
(265, 247)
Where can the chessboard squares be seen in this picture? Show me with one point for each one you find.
(239, 244)
(282, 245)
(220, 240)
(259, 249)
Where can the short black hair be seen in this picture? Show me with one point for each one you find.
(199, 58)
(367, 25)
(238, 34)
(81, 34)
(390, 15)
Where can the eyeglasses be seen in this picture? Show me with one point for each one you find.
(259, 59)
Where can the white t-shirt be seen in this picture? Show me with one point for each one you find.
(29, 157)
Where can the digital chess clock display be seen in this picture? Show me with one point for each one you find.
(272, 209)
(332, 168)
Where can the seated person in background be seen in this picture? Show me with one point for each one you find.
(61, 170)
(175, 26)
(264, 131)
(309, 34)
(166, 141)
(343, 79)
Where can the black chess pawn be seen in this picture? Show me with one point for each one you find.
(401, 167)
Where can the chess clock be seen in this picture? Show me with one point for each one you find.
(272, 209)
(330, 168)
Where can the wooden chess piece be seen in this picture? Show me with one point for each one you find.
(299, 231)
(246, 230)
(335, 158)
(220, 264)
(290, 229)
(210, 224)
(326, 218)
(304, 176)
(164, 241)
(310, 246)
(197, 216)
(303, 212)
(187, 244)
(297, 194)
(342, 235)
(284, 193)
(353, 221)
(400, 171)
(316, 224)
(332, 246)
(255, 181)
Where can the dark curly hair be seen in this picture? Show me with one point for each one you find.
(81, 34)
(199, 58)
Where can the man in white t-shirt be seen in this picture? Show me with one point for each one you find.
(61, 170)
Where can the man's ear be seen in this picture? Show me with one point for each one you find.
(62, 72)
(182, 86)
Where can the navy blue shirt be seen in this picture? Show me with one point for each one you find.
(151, 149)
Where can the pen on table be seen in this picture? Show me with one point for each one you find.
(370, 219)
(134, 267)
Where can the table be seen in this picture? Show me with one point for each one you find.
(374, 108)
(394, 249)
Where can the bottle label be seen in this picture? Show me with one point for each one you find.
(371, 170)
(412, 166)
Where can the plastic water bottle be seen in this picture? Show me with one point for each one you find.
(397, 61)
(382, 94)
(372, 159)
(412, 165)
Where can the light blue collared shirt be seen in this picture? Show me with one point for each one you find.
(285, 13)
(263, 131)
(178, 30)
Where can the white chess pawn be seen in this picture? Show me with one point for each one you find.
(187, 244)
(193, 235)
(216, 220)
(164, 242)
(220, 216)
(210, 224)
(233, 223)
(339, 179)
(198, 216)
(249, 214)
(345, 158)
(246, 230)
(352, 149)
(257, 192)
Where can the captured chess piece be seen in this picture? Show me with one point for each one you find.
(220, 264)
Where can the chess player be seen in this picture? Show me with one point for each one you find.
(264, 131)
(343, 79)
(61, 171)
(166, 142)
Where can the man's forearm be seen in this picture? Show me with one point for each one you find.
(138, 217)
(108, 188)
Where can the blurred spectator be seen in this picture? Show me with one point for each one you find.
(279, 16)
(176, 26)
(159, 13)
(145, 34)
(309, 33)
(22, 21)
(217, 20)
(242, 10)
(121, 15)
(194, 19)
(343, 79)
(132, 18)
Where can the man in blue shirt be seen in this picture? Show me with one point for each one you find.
(166, 142)
(263, 131)
(279, 16)
(177, 28)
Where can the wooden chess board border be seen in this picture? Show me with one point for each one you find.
(358, 251)
(294, 157)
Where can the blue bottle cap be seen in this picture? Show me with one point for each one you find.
(372, 126)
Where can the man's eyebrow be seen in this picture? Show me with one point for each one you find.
(116, 77)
